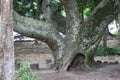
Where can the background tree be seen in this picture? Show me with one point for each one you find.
(6, 40)
(81, 37)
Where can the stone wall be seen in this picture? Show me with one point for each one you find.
(112, 41)
(38, 54)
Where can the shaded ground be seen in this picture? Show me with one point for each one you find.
(109, 72)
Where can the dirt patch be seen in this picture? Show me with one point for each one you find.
(110, 72)
(106, 72)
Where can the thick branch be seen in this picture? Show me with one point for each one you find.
(47, 10)
(39, 30)
(93, 28)
(72, 17)
(51, 14)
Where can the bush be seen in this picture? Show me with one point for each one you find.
(105, 51)
(25, 72)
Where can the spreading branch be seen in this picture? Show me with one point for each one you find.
(37, 29)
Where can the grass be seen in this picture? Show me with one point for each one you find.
(116, 33)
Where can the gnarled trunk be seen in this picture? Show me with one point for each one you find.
(73, 25)
(91, 32)
(79, 38)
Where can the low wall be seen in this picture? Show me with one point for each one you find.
(36, 53)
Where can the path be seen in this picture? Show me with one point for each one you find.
(110, 72)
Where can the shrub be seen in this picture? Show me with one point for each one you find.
(25, 72)
(105, 51)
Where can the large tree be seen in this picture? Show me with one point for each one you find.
(80, 37)
(6, 40)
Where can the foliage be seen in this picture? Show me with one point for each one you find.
(32, 8)
(29, 8)
(116, 33)
(87, 6)
(56, 7)
(105, 51)
(25, 72)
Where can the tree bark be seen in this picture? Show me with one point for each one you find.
(73, 25)
(6, 36)
(105, 38)
(49, 10)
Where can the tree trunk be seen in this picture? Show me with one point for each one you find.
(73, 23)
(91, 32)
(6, 36)
(82, 39)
